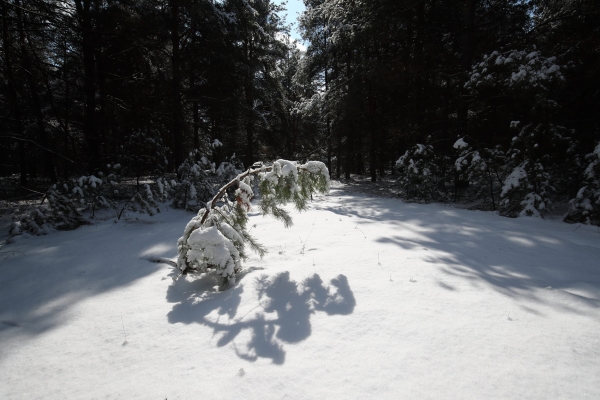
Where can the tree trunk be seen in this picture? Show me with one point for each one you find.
(89, 83)
(418, 69)
(35, 96)
(195, 115)
(468, 19)
(371, 105)
(13, 95)
(248, 89)
(176, 100)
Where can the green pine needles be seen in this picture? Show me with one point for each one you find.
(217, 239)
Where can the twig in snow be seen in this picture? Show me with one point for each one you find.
(160, 260)
(361, 232)
(11, 251)
(305, 240)
(125, 342)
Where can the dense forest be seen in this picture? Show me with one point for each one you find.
(491, 101)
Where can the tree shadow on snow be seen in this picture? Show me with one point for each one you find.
(46, 276)
(527, 259)
(281, 316)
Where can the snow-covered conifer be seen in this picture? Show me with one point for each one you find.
(228, 170)
(217, 237)
(517, 70)
(422, 173)
(58, 211)
(163, 192)
(585, 207)
(483, 169)
(527, 189)
(93, 193)
(142, 202)
(194, 187)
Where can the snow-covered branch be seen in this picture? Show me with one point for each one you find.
(216, 238)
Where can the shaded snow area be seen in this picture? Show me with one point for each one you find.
(362, 298)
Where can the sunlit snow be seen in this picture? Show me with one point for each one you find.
(361, 298)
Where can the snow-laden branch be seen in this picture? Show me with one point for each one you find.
(216, 238)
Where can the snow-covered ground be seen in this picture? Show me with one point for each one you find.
(362, 298)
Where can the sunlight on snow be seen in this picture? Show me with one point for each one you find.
(158, 249)
(521, 241)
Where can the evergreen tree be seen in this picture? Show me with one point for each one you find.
(216, 238)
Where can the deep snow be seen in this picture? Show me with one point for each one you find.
(362, 298)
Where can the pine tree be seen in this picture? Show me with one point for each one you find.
(423, 173)
(217, 237)
(585, 207)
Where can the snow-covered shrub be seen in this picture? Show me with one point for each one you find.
(518, 87)
(585, 207)
(65, 214)
(92, 193)
(482, 168)
(195, 186)
(216, 238)
(35, 221)
(534, 157)
(163, 192)
(421, 174)
(228, 170)
(525, 192)
(67, 204)
(142, 202)
(58, 212)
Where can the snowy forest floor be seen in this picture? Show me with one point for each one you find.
(364, 297)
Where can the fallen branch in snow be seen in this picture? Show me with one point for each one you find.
(160, 260)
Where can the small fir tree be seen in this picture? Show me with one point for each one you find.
(533, 156)
(422, 174)
(483, 169)
(195, 186)
(585, 207)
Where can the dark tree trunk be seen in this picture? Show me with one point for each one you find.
(249, 100)
(177, 112)
(468, 19)
(418, 69)
(195, 115)
(372, 106)
(89, 82)
(35, 96)
(13, 95)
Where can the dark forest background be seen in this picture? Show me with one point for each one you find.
(495, 98)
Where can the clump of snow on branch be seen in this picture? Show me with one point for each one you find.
(515, 68)
(460, 143)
